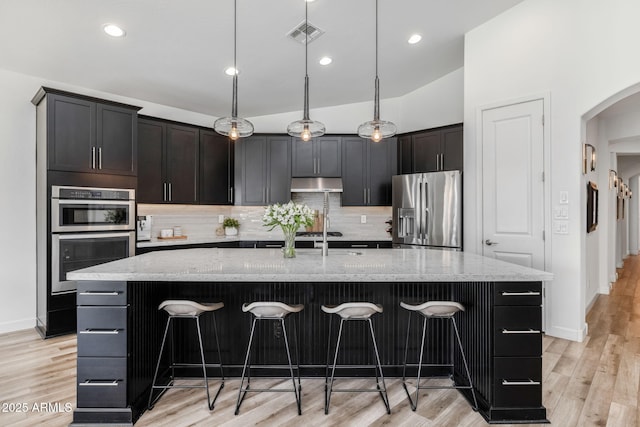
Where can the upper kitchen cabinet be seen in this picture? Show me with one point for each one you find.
(168, 170)
(263, 170)
(216, 172)
(367, 170)
(431, 150)
(87, 134)
(318, 157)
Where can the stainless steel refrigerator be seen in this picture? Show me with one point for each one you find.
(427, 210)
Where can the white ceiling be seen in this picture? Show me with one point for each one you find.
(176, 51)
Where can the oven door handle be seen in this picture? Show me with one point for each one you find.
(92, 202)
(80, 236)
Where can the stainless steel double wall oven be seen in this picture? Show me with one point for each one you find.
(89, 226)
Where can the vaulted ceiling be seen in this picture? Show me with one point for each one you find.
(175, 51)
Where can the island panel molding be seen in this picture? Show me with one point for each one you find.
(493, 369)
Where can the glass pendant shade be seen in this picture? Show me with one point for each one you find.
(234, 127)
(306, 128)
(376, 129)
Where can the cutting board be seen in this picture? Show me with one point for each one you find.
(172, 238)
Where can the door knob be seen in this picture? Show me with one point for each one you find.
(488, 242)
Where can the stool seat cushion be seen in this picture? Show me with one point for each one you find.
(353, 310)
(435, 308)
(188, 308)
(271, 308)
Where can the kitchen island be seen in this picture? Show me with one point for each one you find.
(120, 327)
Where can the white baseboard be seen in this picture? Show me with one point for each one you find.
(17, 325)
(604, 290)
(567, 333)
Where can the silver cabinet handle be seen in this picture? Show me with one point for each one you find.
(100, 293)
(528, 382)
(100, 331)
(523, 331)
(164, 191)
(442, 161)
(364, 196)
(488, 242)
(520, 294)
(272, 246)
(369, 195)
(319, 166)
(359, 246)
(170, 195)
(94, 383)
(93, 157)
(100, 158)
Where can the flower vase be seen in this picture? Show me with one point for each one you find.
(289, 250)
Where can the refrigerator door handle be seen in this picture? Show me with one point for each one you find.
(426, 229)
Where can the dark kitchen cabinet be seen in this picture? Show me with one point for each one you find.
(168, 169)
(431, 150)
(366, 176)
(216, 173)
(89, 135)
(318, 157)
(263, 170)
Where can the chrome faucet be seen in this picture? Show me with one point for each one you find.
(325, 224)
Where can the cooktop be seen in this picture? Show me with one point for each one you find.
(317, 233)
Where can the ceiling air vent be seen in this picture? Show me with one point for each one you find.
(305, 29)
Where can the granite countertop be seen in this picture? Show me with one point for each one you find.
(341, 265)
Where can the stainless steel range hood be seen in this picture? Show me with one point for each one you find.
(316, 185)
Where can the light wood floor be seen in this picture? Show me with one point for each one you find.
(593, 383)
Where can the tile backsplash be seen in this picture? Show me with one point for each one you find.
(200, 221)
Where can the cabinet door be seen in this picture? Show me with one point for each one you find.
(215, 170)
(116, 140)
(426, 148)
(354, 152)
(452, 149)
(182, 163)
(303, 161)
(71, 134)
(380, 170)
(405, 154)
(252, 173)
(279, 169)
(151, 135)
(328, 155)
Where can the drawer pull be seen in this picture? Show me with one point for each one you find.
(528, 382)
(94, 383)
(101, 331)
(520, 294)
(273, 246)
(526, 331)
(100, 293)
(359, 246)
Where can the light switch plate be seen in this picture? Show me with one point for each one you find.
(220, 219)
(564, 197)
(363, 219)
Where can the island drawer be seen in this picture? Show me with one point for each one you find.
(518, 331)
(518, 382)
(102, 331)
(102, 293)
(102, 382)
(520, 293)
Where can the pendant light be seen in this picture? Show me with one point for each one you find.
(234, 127)
(306, 128)
(377, 129)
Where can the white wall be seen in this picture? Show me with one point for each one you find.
(17, 167)
(579, 52)
(436, 104)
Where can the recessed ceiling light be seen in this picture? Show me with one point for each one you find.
(231, 71)
(325, 60)
(415, 38)
(113, 30)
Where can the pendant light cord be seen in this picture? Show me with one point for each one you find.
(234, 101)
(376, 101)
(305, 112)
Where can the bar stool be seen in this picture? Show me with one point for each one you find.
(185, 309)
(276, 311)
(434, 310)
(353, 311)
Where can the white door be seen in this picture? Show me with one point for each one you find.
(513, 183)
